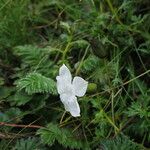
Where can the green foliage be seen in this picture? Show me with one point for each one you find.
(3, 145)
(34, 58)
(119, 143)
(105, 42)
(32, 55)
(12, 115)
(90, 64)
(37, 83)
(14, 26)
(64, 137)
(140, 110)
(137, 109)
(5, 92)
(28, 144)
(20, 98)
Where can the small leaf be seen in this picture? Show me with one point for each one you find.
(21, 98)
(37, 83)
(63, 136)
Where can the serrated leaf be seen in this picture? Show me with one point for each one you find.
(90, 64)
(28, 144)
(63, 136)
(121, 142)
(19, 98)
(31, 54)
(37, 83)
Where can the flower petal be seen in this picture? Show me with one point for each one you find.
(64, 79)
(65, 72)
(80, 86)
(71, 104)
(60, 85)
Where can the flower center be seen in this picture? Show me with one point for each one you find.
(68, 89)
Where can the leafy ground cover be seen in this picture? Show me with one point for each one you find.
(106, 42)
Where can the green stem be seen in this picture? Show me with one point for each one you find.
(80, 65)
(65, 51)
(112, 108)
(113, 11)
(111, 122)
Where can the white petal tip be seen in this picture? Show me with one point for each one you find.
(77, 115)
(64, 66)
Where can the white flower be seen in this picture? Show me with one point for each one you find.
(69, 89)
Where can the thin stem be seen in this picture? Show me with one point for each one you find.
(62, 117)
(65, 51)
(112, 108)
(26, 126)
(113, 11)
(81, 63)
(20, 125)
(111, 122)
(125, 83)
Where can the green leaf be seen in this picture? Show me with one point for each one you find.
(65, 25)
(119, 143)
(37, 83)
(5, 92)
(19, 98)
(90, 64)
(137, 109)
(12, 114)
(28, 144)
(63, 136)
(32, 55)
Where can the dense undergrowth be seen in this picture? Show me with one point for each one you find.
(107, 42)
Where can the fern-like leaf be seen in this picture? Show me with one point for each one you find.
(63, 136)
(90, 64)
(28, 144)
(31, 55)
(120, 143)
(37, 83)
